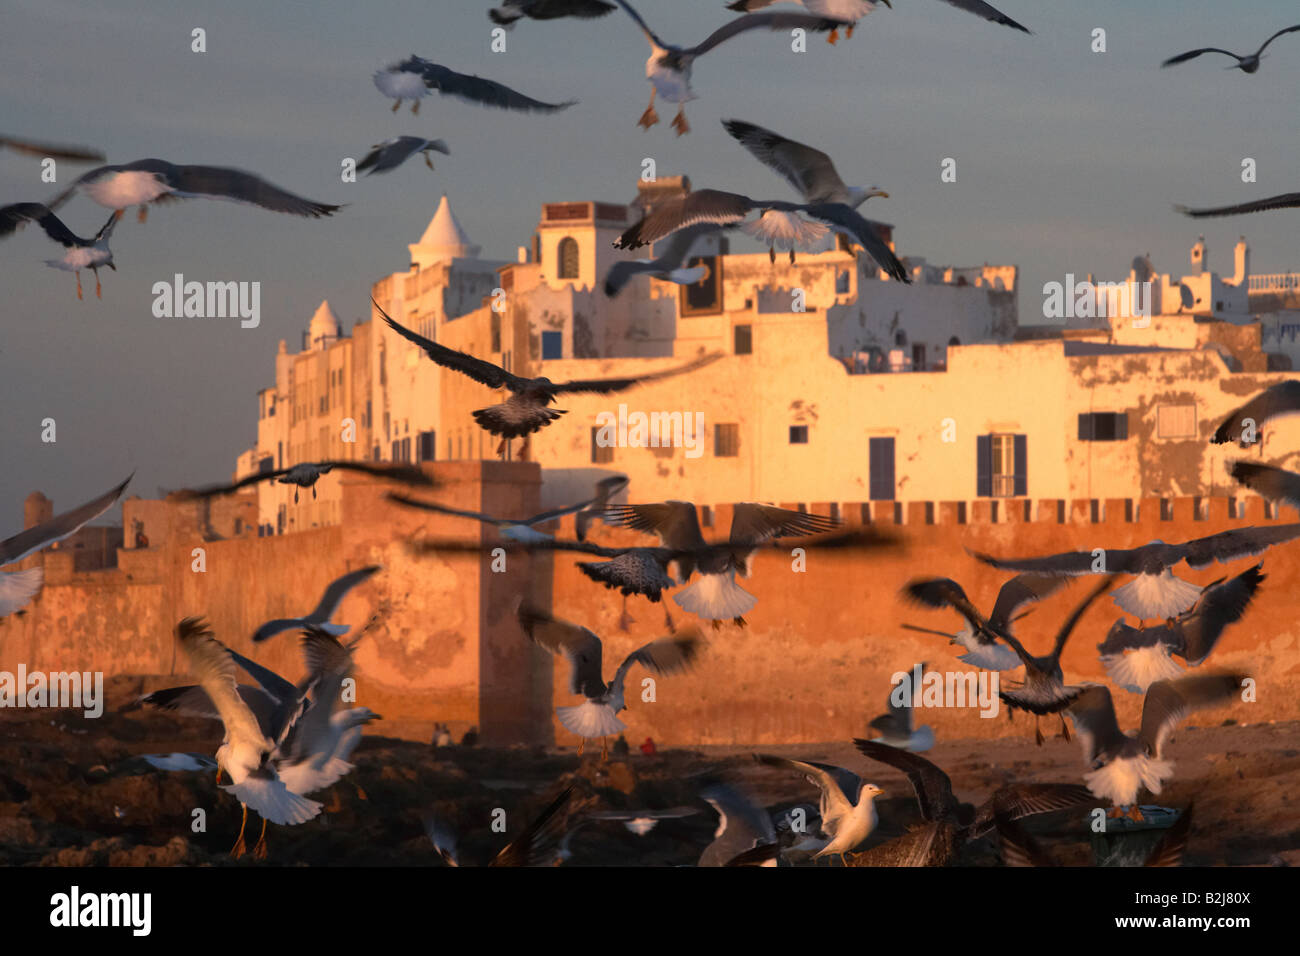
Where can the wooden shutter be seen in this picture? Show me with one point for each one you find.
(1021, 454)
(984, 466)
(881, 468)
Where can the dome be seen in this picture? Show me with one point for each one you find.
(444, 239)
(323, 328)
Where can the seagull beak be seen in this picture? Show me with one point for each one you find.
(111, 266)
(881, 193)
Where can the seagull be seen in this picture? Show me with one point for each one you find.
(1121, 765)
(895, 724)
(987, 12)
(512, 11)
(306, 474)
(526, 410)
(808, 170)
(82, 253)
(669, 66)
(1274, 402)
(17, 588)
(1137, 658)
(415, 77)
(597, 716)
(847, 823)
(1284, 201)
(779, 222)
(179, 761)
(642, 822)
(1267, 481)
(1043, 690)
(319, 618)
(73, 154)
(1247, 64)
(670, 266)
(522, 529)
(535, 846)
(155, 180)
(742, 826)
(1155, 592)
(391, 153)
(716, 595)
(1020, 849)
(950, 824)
(851, 10)
(979, 637)
(248, 752)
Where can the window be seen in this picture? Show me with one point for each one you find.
(1103, 426)
(743, 340)
(265, 465)
(918, 358)
(842, 282)
(881, 469)
(552, 345)
(496, 331)
(703, 297)
(798, 434)
(567, 253)
(428, 446)
(600, 454)
(1000, 466)
(726, 441)
(1176, 421)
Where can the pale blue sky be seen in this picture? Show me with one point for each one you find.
(1067, 161)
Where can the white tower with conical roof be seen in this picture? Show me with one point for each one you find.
(444, 239)
(323, 327)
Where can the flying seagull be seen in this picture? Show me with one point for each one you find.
(522, 529)
(306, 474)
(319, 618)
(512, 11)
(1020, 849)
(670, 266)
(1155, 592)
(526, 410)
(895, 724)
(1268, 481)
(851, 10)
(535, 846)
(847, 823)
(416, 77)
(979, 637)
(73, 154)
(248, 752)
(742, 825)
(1284, 201)
(948, 823)
(669, 66)
(17, 588)
(808, 170)
(1122, 765)
(154, 180)
(1137, 658)
(1247, 64)
(597, 716)
(81, 253)
(391, 153)
(780, 221)
(1243, 425)
(716, 596)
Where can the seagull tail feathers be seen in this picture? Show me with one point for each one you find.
(716, 597)
(590, 719)
(273, 801)
(18, 588)
(1139, 669)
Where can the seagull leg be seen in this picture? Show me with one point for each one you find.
(397, 106)
(1038, 732)
(1115, 813)
(624, 619)
(649, 117)
(78, 274)
(792, 255)
(142, 214)
(295, 495)
(415, 108)
(313, 492)
(668, 620)
(834, 36)
(771, 254)
(427, 161)
(739, 622)
(848, 31)
(523, 449)
(1065, 728)
(218, 776)
(501, 448)
(1135, 814)
(361, 794)
(604, 750)
(679, 121)
(581, 743)
(717, 625)
(239, 849)
(98, 293)
(259, 849)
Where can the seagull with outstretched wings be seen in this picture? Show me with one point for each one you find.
(670, 266)
(391, 153)
(80, 253)
(527, 410)
(895, 725)
(850, 10)
(1249, 63)
(847, 822)
(415, 77)
(306, 474)
(810, 171)
(597, 716)
(319, 617)
(1244, 424)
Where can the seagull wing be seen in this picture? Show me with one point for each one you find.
(578, 645)
(1267, 480)
(1025, 800)
(1193, 54)
(57, 528)
(1284, 201)
(753, 524)
(1276, 35)
(846, 221)
(742, 824)
(533, 847)
(209, 491)
(214, 666)
(220, 182)
(1018, 848)
(193, 701)
(1068, 563)
(933, 787)
(982, 9)
(1021, 590)
(766, 21)
(1067, 626)
(834, 803)
(1169, 851)
(645, 27)
(11, 217)
(605, 386)
(667, 655)
(1168, 702)
(410, 474)
(1237, 543)
(74, 154)
(338, 590)
(444, 510)
(808, 170)
(1218, 606)
(714, 206)
(1280, 399)
(485, 373)
(675, 522)
(1093, 713)
(476, 89)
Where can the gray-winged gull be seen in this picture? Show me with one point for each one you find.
(1121, 765)
(416, 77)
(17, 588)
(72, 154)
(511, 11)
(670, 266)
(669, 67)
(81, 253)
(845, 821)
(1284, 201)
(319, 617)
(597, 716)
(1274, 402)
(850, 10)
(1247, 64)
(1267, 481)
(810, 171)
(895, 725)
(306, 474)
(391, 153)
(742, 825)
(1135, 658)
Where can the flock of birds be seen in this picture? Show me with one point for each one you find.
(285, 741)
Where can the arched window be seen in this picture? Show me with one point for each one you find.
(954, 341)
(567, 254)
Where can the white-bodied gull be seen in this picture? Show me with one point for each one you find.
(810, 171)
(895, 725)
(319, 617)
(391, 153)
(847, 822)
(850, 10)
(416, 77)
(81, 253)
(669, 266)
